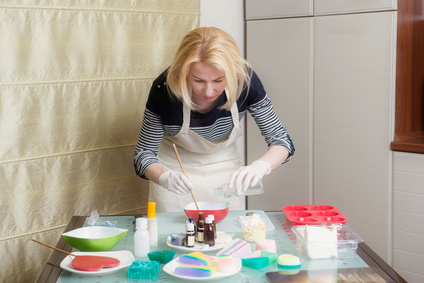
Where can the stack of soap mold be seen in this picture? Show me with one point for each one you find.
(313, 214)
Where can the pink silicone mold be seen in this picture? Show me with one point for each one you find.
(313, 214)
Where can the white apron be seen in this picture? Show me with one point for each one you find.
(208, 165)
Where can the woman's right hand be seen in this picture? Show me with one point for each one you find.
(175, 181)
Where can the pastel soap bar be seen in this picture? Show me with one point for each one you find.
(224, 264)
(288, 261)
(267, 245)
(259, 259)
(196, 258)
(195, 270)
(237, 248)
(255, 262)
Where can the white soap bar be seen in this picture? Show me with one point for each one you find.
(320, 242)
(237, 248)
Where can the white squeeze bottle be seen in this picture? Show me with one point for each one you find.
(141, 238)
(152, 224)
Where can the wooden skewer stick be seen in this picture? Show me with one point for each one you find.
(62, 251)
(182, 168)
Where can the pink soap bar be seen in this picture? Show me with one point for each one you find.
(266, 245)
(93, 263)
(224, 264)
(237, 248)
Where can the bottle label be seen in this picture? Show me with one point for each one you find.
(200, 237)
(190, 241)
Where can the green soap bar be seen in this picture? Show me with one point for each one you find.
(282, 266)
(273, 257)
(163, 256)
(255, 262)
(143, 269)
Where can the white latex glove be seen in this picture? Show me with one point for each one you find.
(248, 176)
(175, 181)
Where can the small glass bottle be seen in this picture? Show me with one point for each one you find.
(226, 192)
(209, 233)
(201, 231)
(191, 220)
(213, 223)
(190, 239)
(201, 216)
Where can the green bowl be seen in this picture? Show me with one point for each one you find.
(94, 238)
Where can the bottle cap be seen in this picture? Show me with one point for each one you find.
(208, 220)
(141, 223)
(151, 209)
(212, 216)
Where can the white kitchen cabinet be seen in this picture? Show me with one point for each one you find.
(280, 51)
(265, 9)
(354, 71)
(331, 81)
(325, 7)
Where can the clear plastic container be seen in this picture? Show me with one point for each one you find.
(225, 191)
(253, 228)
(347, 241)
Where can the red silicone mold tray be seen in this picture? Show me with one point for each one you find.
(313, 214)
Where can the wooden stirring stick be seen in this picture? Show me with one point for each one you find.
(182, 168)
(62, 251)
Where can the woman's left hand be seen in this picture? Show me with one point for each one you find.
(247, 176)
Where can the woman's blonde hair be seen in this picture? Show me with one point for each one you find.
(212, 46)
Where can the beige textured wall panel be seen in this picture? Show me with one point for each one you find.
(74, 79)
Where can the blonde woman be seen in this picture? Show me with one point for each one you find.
(197, 103)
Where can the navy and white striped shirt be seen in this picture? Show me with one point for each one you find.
(164, 116)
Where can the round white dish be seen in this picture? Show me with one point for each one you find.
(125, 257)
(170, 269)
(197, 247)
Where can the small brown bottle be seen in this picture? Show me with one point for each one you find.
(201, 231)
(213, 223)
(209, 233)
(190, 239)
(201, 216)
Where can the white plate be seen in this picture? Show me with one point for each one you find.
(125, 257)
(197, 247)
(170, 269)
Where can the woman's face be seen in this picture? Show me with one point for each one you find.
(207, 83)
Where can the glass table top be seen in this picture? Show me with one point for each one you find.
(279, 230)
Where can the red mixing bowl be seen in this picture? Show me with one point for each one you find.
(218, 209)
